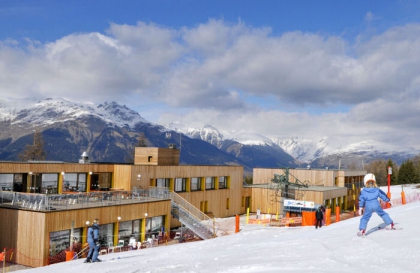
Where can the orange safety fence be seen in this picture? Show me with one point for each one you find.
(308, 218)
(404, 199)
(64, 255)
(7, 256)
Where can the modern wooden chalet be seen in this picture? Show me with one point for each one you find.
(45, 206)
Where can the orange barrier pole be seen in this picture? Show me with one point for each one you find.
(308, 218)
(2, 255)
(287, 217)
(69, 255)
(403, 198)
(337, 214)
(3, 259)
(237, 224)
(388, 205)
(327, 216)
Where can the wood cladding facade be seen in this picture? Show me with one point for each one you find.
(328, 187)
(28, 231)
(156, 156)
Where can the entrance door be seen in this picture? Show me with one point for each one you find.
(94, 182)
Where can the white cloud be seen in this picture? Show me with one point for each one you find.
(219, 73)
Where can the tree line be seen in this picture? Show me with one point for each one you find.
(407, 173)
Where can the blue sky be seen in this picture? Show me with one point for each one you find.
(47, 20)
(347, 70)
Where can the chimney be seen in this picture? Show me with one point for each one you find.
(84, 158)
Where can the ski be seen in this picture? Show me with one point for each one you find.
(394, 228)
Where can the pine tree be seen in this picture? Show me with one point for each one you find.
(379, 168)
(142, 141)
(35, 150)
(416, 163)
(407, 173)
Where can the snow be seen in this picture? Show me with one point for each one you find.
(257, 248)
(49, 111)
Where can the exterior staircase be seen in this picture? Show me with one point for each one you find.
(195, 220)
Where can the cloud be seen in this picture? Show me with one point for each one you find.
(219, 73)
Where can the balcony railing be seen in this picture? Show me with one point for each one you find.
(47, 202)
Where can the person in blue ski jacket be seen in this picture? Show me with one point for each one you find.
(368, 203)
(93, 240)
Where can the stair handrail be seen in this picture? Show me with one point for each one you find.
(194, 212)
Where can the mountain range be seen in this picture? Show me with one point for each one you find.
(108, 132)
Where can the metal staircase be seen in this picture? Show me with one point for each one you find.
(195, 220)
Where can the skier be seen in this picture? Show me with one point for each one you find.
(368, 203)
(319, 217)
(93, 240)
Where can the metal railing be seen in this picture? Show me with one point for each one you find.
(192, 217)
(46, 202)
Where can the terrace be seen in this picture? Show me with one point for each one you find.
(49, 202)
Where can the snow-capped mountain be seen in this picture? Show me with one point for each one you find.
(307, 150)
(109, 131)
(49, 111)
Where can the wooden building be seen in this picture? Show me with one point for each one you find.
(330, 188)
(77, 193)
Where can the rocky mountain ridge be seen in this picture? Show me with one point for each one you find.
(110, 131)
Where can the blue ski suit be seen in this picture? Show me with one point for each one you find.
(368, 200)
(93, 240)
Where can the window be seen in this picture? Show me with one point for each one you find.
(195, 183)
(162, 182)
(6, 182)
(210, 183)
(154, 225)
(223, 182)
(180, 184)
(74, 182)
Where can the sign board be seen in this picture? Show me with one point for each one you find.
(389, 170)
(298, 203)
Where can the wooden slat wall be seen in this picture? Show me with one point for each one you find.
(216, 198)
(16, 167)
(263, 199)
(28, 231)
(122, 177)
(158, 156)
(314, 177)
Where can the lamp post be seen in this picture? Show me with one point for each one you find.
(354, 199)
(388, 205)
(138, 181)
(118, 227)
(145, 225)
(30, 181)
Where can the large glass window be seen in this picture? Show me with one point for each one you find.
(180, 184)
(101, 181)
(106, 234)
(6, 182)
(60, 241)
(74, 182)
(129, 231)
(210, 183)
(223, 182)
(154, 225)
(195, 183)
(48, 182)
(162, 182)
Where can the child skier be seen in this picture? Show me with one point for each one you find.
(368, 203)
